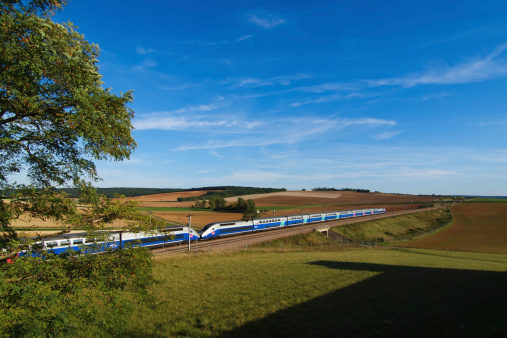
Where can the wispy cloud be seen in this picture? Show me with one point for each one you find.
(266, 21)
(245, 37)
(149, 62)
(180, 123)
(259, 82)
(143, 51)
(220, 42)
(423, 174)
(491, 66)
(386, 135)
(286, 131)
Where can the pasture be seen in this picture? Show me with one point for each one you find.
(264, 293)
(349, 292)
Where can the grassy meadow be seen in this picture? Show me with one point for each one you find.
(358, 292)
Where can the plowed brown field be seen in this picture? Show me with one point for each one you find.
(477, 227)
(310, 201)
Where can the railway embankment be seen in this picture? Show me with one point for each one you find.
(401, 227)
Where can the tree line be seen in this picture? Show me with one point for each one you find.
(342, 189)
(228, 191)
(247, 208)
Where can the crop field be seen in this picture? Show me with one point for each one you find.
(165, 206)
(401, 292)
(477, 227)
(284, 203)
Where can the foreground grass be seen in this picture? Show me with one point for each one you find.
(261, 293)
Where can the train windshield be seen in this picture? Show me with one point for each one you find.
(206, 227)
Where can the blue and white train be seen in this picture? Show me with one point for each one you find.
(222, 229)
(182, 234)
(79, 242)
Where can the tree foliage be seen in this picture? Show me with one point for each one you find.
(56, 119)
(55, 115)
(250, 211)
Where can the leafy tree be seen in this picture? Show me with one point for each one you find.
(241, 204)
(211, 203)
(55, 120)
(251, 211)
(219, 203)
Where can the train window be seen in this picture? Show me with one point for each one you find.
(90, 240)
(226, 224)
(51, 244)
(77, 241)
(64, 243)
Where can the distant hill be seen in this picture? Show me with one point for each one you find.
(129, 192)
(229, 191)
(222, 191)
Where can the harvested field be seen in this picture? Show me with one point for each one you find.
(285, 203)
(162, 200)
(480, 227)
(289, 198)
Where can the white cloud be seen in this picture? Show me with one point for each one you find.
(386, 135)
(267, 21)
(491, 66)
(257, 82)
(144, 51)
(245, 37)
(283, 131)
(423, 174)
(179, 123)
(149, 62)
(367, 121)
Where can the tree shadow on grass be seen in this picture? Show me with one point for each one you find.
(398, 302)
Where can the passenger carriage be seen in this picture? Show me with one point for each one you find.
(267, 223)
(296, 219)
(117, 239)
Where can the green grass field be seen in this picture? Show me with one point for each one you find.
(360, 292)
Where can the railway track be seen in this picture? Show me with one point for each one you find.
(249, 239)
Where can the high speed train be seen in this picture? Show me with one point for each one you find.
(221, 229)
(182, 234)
(79, 242)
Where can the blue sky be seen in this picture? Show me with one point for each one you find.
(394, 96)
